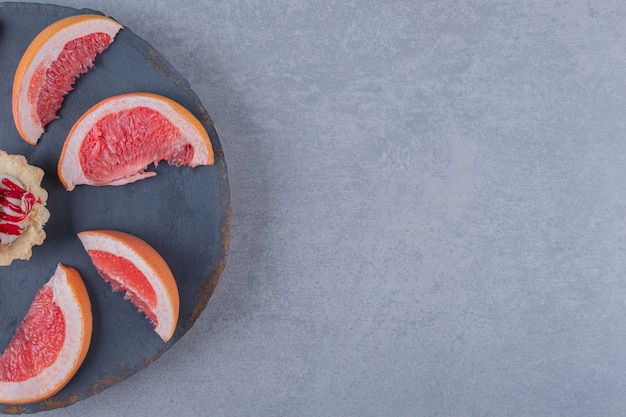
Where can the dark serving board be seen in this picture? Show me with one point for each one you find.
(183, 213)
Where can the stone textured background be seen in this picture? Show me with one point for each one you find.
(428, 204)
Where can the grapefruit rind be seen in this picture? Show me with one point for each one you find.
(70, 294)
(150, 263)
(69, 168)
(45, 49)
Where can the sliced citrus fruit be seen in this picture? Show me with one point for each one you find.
(51, 342)
(130, 264)
(52, 62)
(115, 140)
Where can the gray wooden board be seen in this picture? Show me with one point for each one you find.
(182, 212)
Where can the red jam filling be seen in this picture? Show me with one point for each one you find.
(13, 215)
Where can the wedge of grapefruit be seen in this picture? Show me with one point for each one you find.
(115, 141)
(130, 264)
(51, 342)
(52, 62)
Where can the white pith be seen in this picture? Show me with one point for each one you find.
(29, 121)
(42, 384)
(164, 312)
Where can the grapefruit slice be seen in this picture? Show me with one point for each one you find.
(115, 140)
(51, 342)
(130, 264)
(52, 62)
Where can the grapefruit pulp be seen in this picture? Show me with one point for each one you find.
(115, 141)
(51, 342)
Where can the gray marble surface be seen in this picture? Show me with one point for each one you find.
(428, 204)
